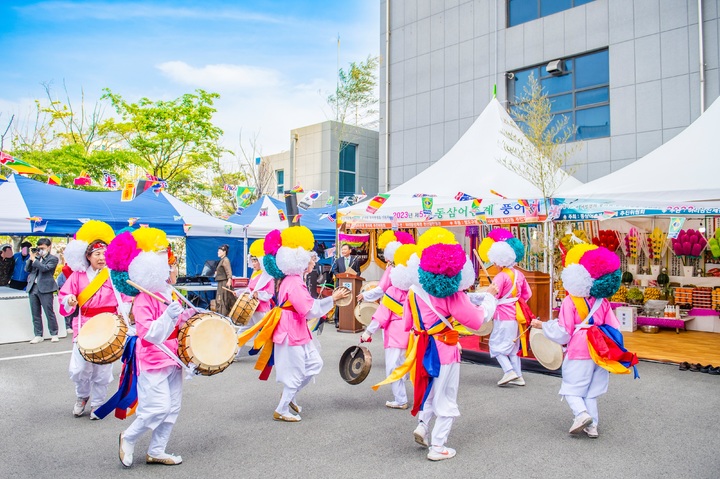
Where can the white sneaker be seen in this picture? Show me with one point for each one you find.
(125, 452)
(164, 458)
(396, 405)
(446, 453)
(54, 339)
(79, 407)
(518, 382)
(37, 339)
(509, 376)
(69, 331)
(421, 434)
(583, 419)
(93, 416)
(591, 431)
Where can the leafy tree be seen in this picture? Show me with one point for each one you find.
(175, 140)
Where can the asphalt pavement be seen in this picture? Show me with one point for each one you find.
(664, 424)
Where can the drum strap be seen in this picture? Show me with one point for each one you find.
(93, 287)
(392, 304)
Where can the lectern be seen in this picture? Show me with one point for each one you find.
(347, 322)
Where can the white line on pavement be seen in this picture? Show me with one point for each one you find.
(35, 355)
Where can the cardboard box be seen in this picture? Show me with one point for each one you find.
(627, 317)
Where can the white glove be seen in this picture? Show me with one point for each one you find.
(174, 310)
(366, 337)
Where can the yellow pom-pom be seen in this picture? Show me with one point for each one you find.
(257, 248)
(150, 239)
(403, 253)
(484, 247)
(435, 235)
(573, 256)
(298, 237)
(95, 230)
(385, 238)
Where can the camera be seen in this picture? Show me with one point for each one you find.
(34, 250)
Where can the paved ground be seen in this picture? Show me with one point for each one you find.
(663, 425)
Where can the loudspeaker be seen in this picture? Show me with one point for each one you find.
(291, 207)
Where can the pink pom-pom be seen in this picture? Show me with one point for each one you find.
(500, 234)
(702, 241)
(599, 262)
(692, 239)
(121, 251)
(445, 259)
(404, 237)
(273, 242)
(696, 249)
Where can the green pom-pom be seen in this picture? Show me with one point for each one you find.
(606, 285)
(119, 280)
(439, 285)
(271, 267)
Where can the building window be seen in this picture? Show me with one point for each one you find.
(346, 168)
(579, 88)
(280, 179)
(521, 11)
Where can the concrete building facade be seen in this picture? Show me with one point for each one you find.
(313, 160)
(626, 72)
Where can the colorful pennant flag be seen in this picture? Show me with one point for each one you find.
(263, 212)
(228, 229)
(53, 180)
(524, 203)
(330, 201)
(476, 204)
(498, 194)
(427, 204)
(231, 188)
(463, 196)
(19, 166)
(329, 252)
(3, 179)
(309, 199)
(128, 192)
(83, 180)
(297, 189)
(361, 196)
(376, 203)
(296, 219)
(109, 181)
(132, 221)
(243, 195)
(281, 215)
(422, 195)
(330, 217)
(39, 226)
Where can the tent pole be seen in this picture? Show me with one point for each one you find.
(245, 253)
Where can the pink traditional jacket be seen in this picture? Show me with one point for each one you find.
(268, 288)
(568, 318)
(104, 299)
(293, 322)
(506, 312)
(459, 307)
(147, 309)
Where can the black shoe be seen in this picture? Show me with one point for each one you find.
(715, 371)
(684, 366)
(694, 368)
(706, 369)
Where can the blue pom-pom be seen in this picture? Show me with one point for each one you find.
(439, 285)
(606, 285)
(271, 267)
(518, 248)
(119, 280)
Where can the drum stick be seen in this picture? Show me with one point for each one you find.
(521, 334)
(152, 295)
(231, 290)
(482, 265)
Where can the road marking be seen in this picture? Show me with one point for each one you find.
(35, 355)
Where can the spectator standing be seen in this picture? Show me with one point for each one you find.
(19, 276)
(41, 266)
(7, 264)
(223, 275)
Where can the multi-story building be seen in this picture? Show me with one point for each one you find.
(313, 160)
(627, 73)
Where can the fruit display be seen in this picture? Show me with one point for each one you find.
(702, 298)
(683, 296)
(620, 295)
(607, 239)
(651, 293)
(635, 296)
(716, 299)
(656, 242)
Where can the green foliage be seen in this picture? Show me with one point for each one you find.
(175, 139)
(355, 92)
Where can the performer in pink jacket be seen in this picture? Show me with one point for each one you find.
(505, 251)
(89, 288)
(160, 376)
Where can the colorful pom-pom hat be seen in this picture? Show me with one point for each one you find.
(591, 270)
(389, 241)
(444, 267)
(92, 235)
(500, 247)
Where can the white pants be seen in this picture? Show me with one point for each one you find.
(91, 380)
(159, 398)
(442, 403)
(502, 346)
(394, 357)
(583, 382)
(295, 366)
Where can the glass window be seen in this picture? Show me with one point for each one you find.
(521, 11)
(347, 184)
(347, 157)
(280, 179)
(581, 93)
(346, 175)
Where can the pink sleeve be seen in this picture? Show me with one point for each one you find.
(299, 296)
(524, 291)
(70, 287)
(607, 316)
(385, 280)
(566, 318)
(145, 310)
(269, 287)
(407, 314)
(464, 311)
(503, 283)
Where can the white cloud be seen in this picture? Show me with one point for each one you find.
(222, 76)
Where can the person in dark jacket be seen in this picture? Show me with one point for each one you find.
(41, 283)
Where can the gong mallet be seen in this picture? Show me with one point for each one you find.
(521, 334)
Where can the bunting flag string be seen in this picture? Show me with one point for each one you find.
(376, 203)
(19, 166)
(297, 189)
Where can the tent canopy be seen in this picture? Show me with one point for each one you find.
(262, 216)
(472, 166)
(683, 169)
(32, 207)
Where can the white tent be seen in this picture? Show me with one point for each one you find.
(261, 217)
(472, 166)
(683, 169)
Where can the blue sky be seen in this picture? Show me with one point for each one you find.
(273, 62)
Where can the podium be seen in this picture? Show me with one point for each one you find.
(539, 283)
(346, 314)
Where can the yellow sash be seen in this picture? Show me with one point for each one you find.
(93, 287)
(391, 303)
(581, 306)
(263, 341)
(519, 315)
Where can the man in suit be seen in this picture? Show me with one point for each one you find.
(346, 261)
(41, 287)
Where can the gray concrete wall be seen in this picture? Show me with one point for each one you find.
(445, 57)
